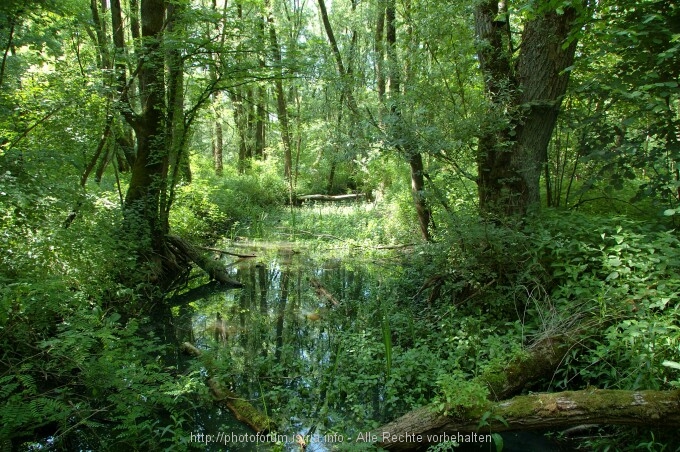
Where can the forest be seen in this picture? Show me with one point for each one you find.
(319, 225)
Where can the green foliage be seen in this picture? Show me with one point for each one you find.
(231, 205)
(629, 65)
(623, 275)
(460, 396)
(82, 368)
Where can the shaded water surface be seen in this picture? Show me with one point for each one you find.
(280, 340)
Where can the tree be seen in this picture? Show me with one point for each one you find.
(281, 103)
(145, 213)
(400, 135)
(623, 109)
(524, 99)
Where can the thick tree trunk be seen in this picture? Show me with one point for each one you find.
(539, 363)
(142, 201)
(510, 160)
(423, 426)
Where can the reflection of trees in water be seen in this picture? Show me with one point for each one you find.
(288, 344)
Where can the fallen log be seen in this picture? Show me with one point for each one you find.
(243, 410)
(304, 198)
(424, 426)
(213, 268)
(540, 361)
(229, 253)
(322, 292)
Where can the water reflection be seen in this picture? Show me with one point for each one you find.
(278, 338)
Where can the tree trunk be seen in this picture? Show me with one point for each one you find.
(260, 122)
(218, 136)
(379, 48)
(8, 47)
(143, 208)
(510, 158)
(346, 85)
(218, 148)
(424, 426)
(399, 133)
(102, 40)
(240, 123)
(281, 104)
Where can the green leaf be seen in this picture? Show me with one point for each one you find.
(669, 212)
(671, 364)
(498, 441)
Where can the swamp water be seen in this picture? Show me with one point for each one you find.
(307, 341)
(288, 341)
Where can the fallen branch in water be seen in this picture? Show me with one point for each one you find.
(243, 410)
(322, 292)
(229, 253)
(214, 269)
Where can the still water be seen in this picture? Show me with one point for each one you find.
(282, 342)
(305, 341)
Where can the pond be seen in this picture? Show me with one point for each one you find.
(288, 340)
(327, 345)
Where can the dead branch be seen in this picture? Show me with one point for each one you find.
(229, 253)
(213, 268)
(322, 292)
(243, 410)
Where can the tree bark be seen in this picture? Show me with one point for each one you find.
(149, 173)
(10, 38)
(218, 148)
(178, 164)
(510, 158)
(379, 48)
(424, 426)
(102, 40)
